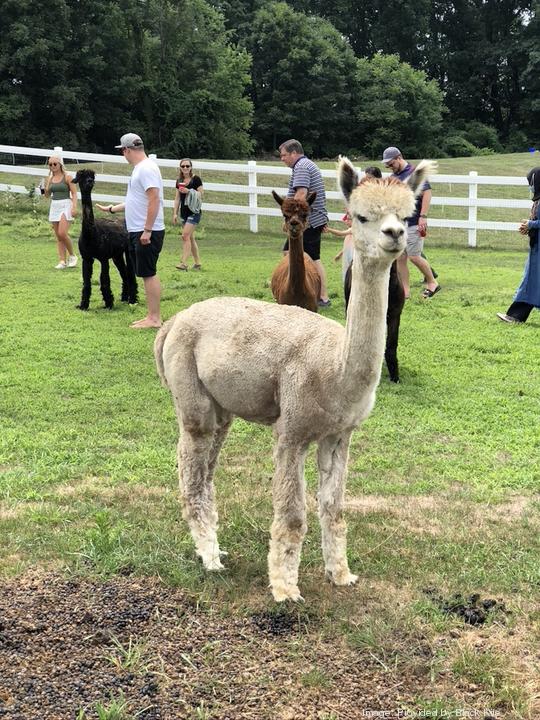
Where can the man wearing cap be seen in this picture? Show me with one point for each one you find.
(416, 226)
(305, 178)
(145, 224)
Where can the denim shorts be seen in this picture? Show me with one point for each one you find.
(193, 219)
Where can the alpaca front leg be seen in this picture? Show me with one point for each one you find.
(105, 284)
(332, 460)
(289, 525)
(199, 511)
(87, 268)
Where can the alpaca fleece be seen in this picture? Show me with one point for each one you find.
(309, 377)
(103, 240)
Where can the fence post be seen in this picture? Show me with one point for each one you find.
(473, 209)
(252, 183)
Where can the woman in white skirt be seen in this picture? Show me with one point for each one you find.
(63, 193)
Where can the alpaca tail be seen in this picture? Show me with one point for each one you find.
(159, 342)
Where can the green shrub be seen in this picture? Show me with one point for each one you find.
(458, 146)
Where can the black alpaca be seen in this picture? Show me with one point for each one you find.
(396, 301)
(103, 240)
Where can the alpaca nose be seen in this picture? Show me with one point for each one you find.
(394, 233)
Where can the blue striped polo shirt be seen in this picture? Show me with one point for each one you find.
(305, 174)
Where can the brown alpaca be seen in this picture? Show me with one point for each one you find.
(296, 281)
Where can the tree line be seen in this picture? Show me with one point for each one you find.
(233, 78)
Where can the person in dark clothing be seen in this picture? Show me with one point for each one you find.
(527, 295)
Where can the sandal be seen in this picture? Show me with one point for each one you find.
(181, 266)
(430, 293)
(197, 266)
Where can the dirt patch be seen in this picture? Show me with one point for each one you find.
(429, 515)
(67, 644)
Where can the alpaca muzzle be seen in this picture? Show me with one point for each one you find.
(393, 238)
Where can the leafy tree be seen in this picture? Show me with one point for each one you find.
(196, 83)
(397, 105)
(34, 72)
(303, 81)
(476, 51)
(531, 79)
(162, 68)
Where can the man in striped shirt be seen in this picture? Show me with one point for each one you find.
(306, 177)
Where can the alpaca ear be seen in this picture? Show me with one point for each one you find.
(277, 198)
(347, 176)
(311, 197)
(421, 173)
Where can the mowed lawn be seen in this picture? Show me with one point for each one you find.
(444, 477)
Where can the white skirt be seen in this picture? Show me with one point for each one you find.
(59, 208)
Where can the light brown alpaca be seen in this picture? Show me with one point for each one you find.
(309, 377)
(296, 281)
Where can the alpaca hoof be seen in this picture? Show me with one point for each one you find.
(81, 307)
(213, 564)
(342, 578)
(283, 594)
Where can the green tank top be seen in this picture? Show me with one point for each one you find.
(59, 191)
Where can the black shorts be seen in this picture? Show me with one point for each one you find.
(146, 256)
(312, 242)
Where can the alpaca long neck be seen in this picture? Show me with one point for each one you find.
(297, 271)
(88, 221)
(365, 330)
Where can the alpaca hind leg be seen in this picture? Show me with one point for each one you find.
(289, 525)
(198, 450)
(332, 459)
(120, 263)
(105, 285)
(390, 353)
(133, 295)
(219, 438)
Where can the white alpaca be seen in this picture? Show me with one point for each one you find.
(309, 377)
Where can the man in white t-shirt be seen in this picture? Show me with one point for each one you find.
(144, 220)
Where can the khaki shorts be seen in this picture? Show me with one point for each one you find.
(415, 243)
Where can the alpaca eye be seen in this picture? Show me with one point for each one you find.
(362, 218)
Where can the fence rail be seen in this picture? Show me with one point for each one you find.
(253, 189)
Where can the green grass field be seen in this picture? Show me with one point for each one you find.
(444, 477)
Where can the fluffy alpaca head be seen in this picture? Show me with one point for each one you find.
(378, 208)
(85, 179)
(295, 211)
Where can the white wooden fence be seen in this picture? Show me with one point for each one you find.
(253, 189)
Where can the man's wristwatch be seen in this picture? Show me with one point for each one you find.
(423, 216)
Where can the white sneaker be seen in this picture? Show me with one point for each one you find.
(72, 261)
(507, 318)
(61, 265)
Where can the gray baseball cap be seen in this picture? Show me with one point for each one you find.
(391, 153)
(130, 140)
